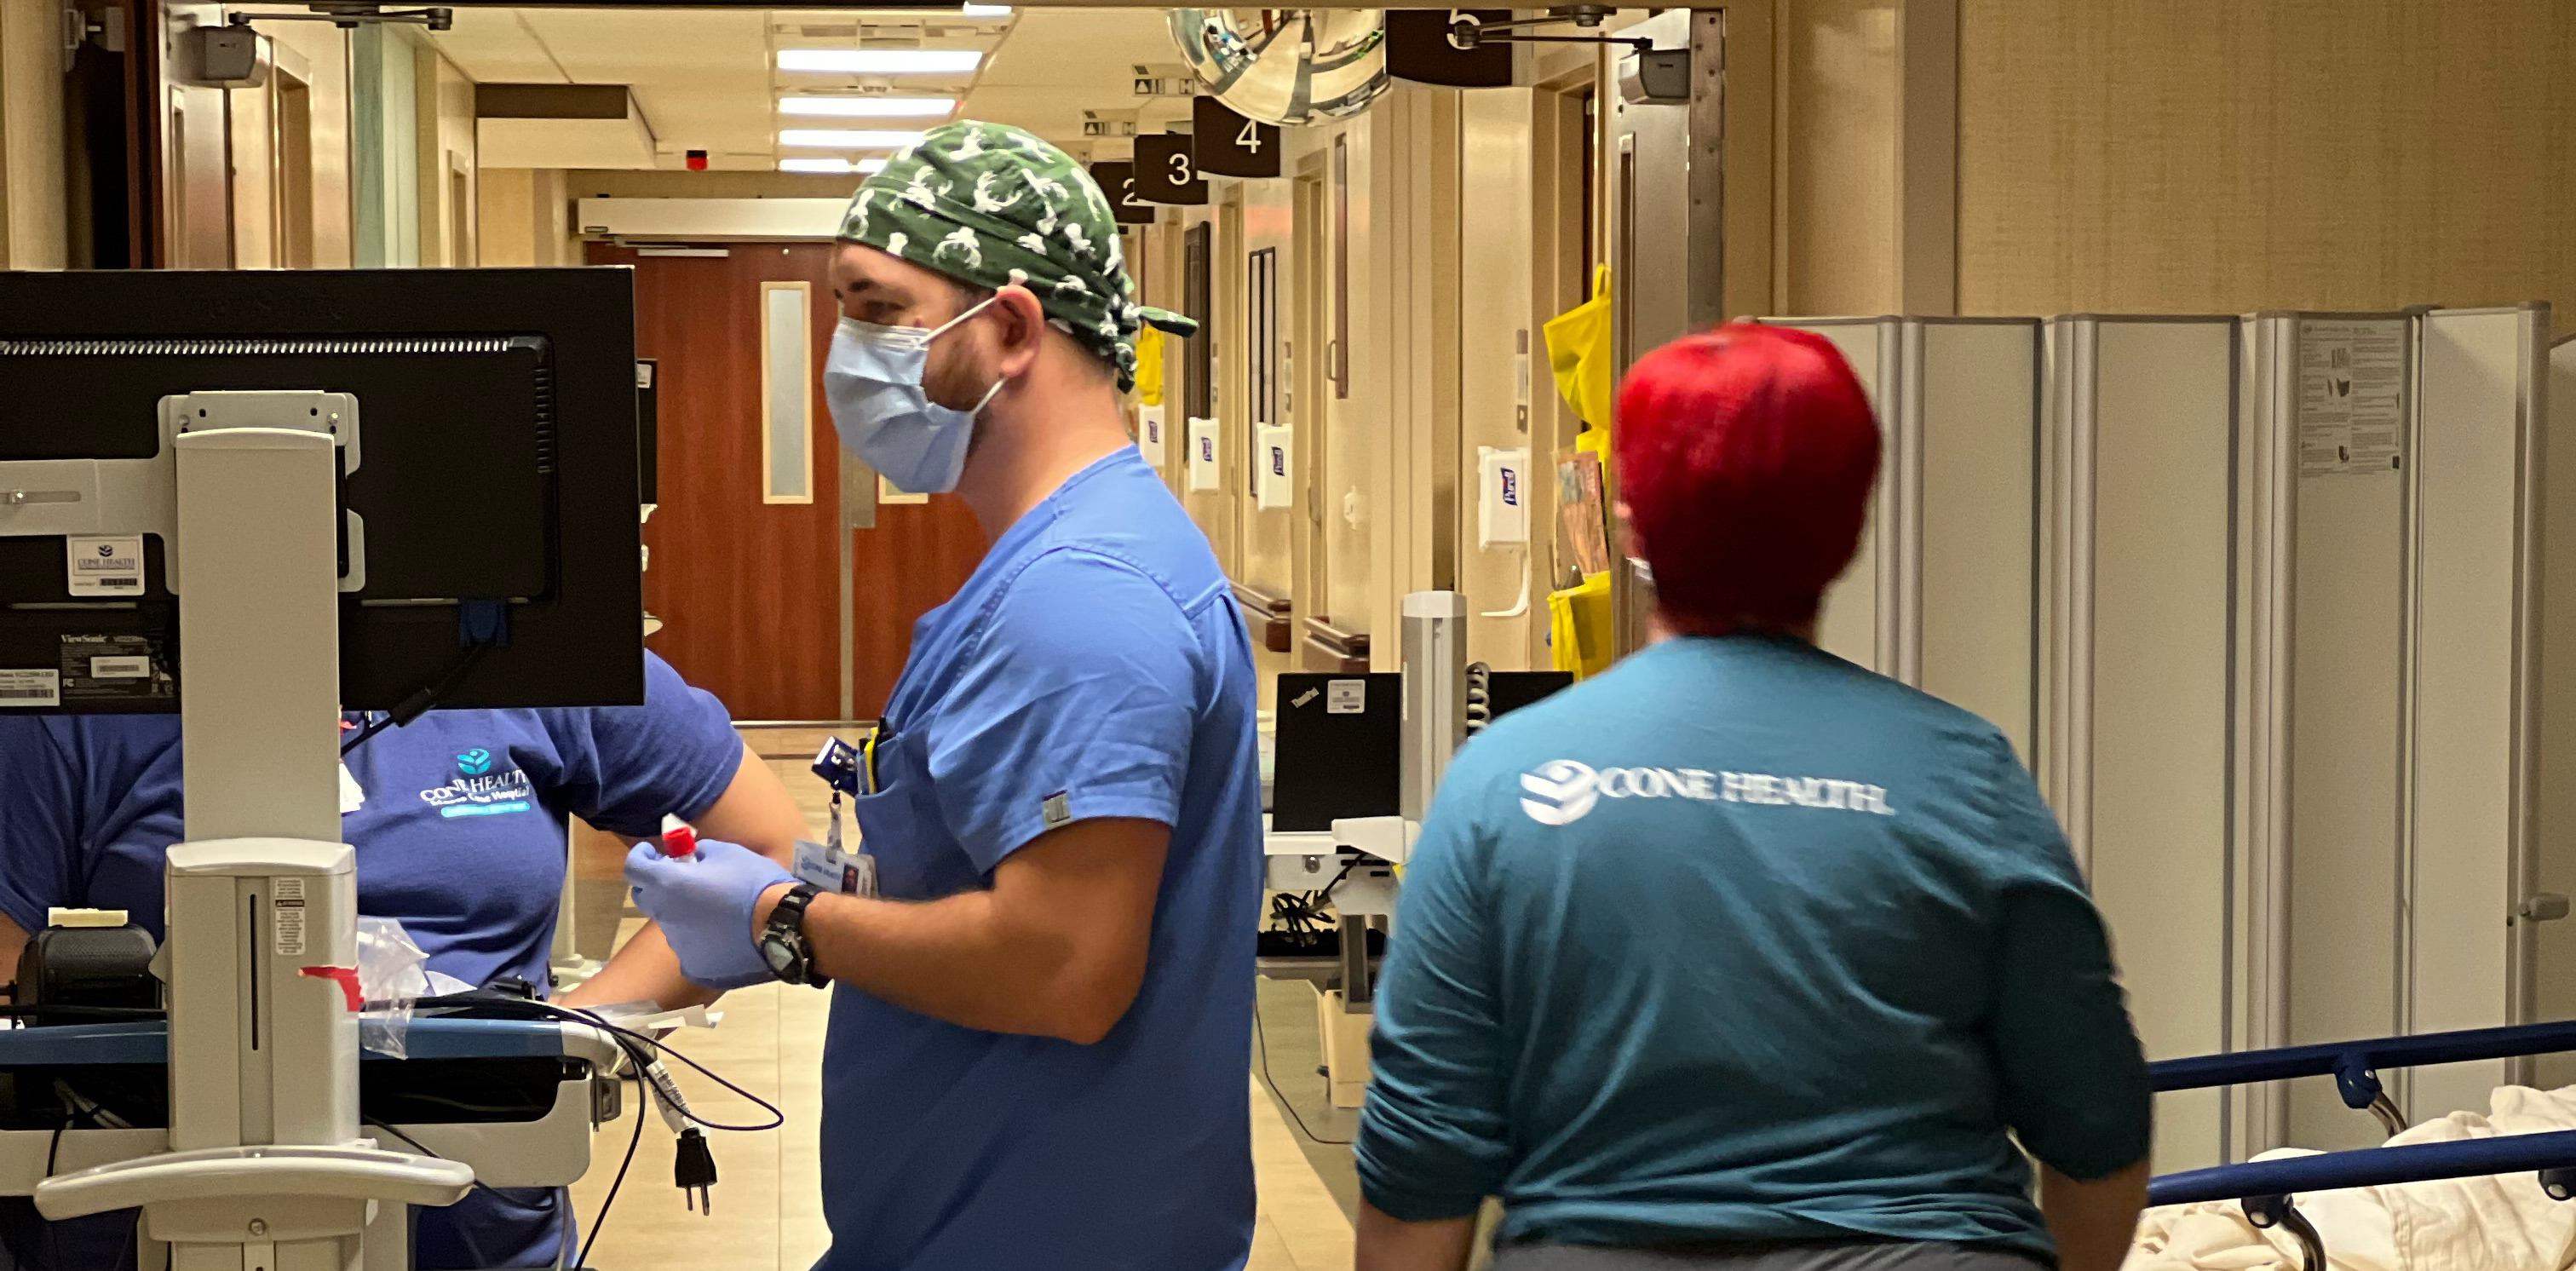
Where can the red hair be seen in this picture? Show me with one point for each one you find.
(1746, 456)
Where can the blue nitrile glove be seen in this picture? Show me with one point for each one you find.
(704, 902)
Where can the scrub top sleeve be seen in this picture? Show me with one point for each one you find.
(1434, 1140)
(626, 767)
(2074, 1078)
(1077, 701)
(39, 823)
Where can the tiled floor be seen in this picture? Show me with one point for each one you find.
(767, 1212)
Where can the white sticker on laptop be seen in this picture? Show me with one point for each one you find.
(31, 690)
(1346, 697)
(104, 565)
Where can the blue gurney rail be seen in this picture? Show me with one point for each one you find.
(2267, 1188)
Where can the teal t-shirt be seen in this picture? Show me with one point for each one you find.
(1741, 942)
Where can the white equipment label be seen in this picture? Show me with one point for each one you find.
(2352, 406)
(1346, 697)
(105, 565)
(120, 668)
(31, 690)
(286, 907)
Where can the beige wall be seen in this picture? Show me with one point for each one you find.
(319, 53)
(1499, 204)
(315, 55)
(2210, 155)
(447, 170)
(525, 217)
(32, 232)
(1837, 81)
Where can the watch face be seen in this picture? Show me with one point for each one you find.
(782, 960)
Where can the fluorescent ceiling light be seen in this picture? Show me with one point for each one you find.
(882, 61)
(988, 10)
(869, 107)
(832, 167)
(847, 138)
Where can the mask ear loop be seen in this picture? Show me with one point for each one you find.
(977, 308)
(996, 389)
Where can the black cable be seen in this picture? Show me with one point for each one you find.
(85, 1012)
(599, 1221)
(1263, 1034)
(365, 734)
(422, 702)
(638, 1047)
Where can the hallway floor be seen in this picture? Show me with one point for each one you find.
(767, 1215)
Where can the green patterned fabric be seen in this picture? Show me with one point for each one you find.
(992, 206)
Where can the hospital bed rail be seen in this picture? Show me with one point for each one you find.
(2266, 1189)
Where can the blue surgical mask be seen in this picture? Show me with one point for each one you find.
(872, 383)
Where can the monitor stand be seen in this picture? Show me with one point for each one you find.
(266, 1167)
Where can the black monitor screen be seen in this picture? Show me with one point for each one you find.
(497, 461)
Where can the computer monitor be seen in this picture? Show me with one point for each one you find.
(1339, 741)
(498, 463)
(1509, 691)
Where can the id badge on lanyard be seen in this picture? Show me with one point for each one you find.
(829, 865)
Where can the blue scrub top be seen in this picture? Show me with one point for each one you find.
(462, 838)
(1095, 665)
(1740, 942)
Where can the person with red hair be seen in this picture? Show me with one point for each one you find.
(1738, 955)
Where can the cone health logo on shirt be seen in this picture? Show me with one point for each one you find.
(1559, 793)
(478, 790)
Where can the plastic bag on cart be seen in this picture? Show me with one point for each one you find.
(2496, 1223)
(393, 974)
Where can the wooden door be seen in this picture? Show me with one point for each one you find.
(910, 562)
(748, 588)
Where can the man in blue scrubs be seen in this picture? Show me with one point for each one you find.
(461, 836)
(1042, 1031)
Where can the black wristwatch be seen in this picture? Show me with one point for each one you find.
(782, 939)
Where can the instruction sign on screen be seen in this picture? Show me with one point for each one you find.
(1229, 145)
(2352, 395)
(1117, 181)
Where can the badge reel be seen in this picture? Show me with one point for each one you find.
(827, 865)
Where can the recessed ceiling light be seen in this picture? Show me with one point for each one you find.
(881, 61)
(847, 139)
(868, 107)
(831, 167)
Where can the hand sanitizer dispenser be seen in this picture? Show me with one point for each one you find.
(1271, 456)
(1502, 498)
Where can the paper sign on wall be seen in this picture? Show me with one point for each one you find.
(2352, 403)
(1149, 434)
(1270, 452)
(1205, 475)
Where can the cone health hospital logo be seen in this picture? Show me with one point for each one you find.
(479, 790)
(1559, 793)
(1563, 791)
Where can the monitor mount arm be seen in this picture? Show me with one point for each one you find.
(266, 1166)
(349, 17)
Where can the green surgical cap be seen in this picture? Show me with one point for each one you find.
(992, 206)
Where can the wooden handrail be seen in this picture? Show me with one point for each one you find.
(1330, 648)
(1266, 616)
